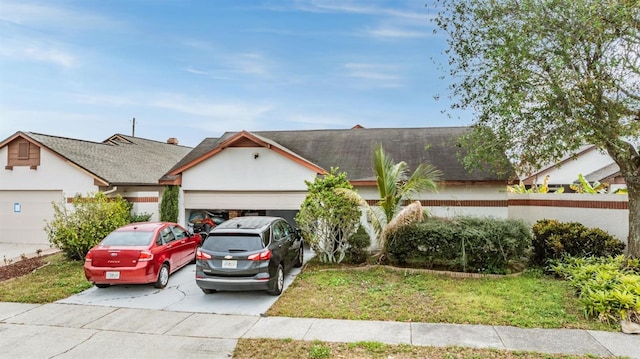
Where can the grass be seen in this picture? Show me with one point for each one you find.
(287, 348)
(531, 300)
(60, 279)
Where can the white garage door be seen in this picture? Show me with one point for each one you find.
(23, 215)
(281, 200)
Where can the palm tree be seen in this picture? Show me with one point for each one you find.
(395, 186)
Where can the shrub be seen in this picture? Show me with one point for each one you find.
(608, 287)
(139, 217)
(359, 243)
(484, 245)
(553, 240)
(92, 218)
(328, 218)
(169, 204)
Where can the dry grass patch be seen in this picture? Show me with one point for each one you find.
(287, 348)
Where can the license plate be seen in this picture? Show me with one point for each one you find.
(229, 263)
(112, 275)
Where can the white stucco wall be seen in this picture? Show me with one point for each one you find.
(236, 179)
(613, 221)
(147, 193)
(53, 174)
(236, 169)
(456, 193)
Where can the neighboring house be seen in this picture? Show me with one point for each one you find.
(592, 163)
(40, 169)
(264, 172)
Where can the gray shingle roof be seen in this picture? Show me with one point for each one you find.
(352, 150)
(602, 173)
(120, 160)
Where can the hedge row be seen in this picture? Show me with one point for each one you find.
(478, 245)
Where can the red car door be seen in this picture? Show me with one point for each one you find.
(184, 245)
(172, 248)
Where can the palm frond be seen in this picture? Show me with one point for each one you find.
(410, 214)
(423, 179)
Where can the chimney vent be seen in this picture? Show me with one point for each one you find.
(172, 141)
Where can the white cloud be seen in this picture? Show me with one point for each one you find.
(391, 32)
(226, 111)
(37, 51)
(376, 75)
(51, 17)
(411, 22)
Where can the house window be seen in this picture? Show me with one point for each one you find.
(23, 150)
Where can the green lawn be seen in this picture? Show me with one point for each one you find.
(531, 300)
(58, 280)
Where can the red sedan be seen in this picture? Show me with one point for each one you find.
(141, 253)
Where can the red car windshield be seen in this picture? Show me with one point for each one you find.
(128, 238)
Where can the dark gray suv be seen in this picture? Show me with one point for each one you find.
(248, 253)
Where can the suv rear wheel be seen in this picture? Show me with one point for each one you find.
(278, 282)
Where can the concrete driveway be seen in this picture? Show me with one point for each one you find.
(182, 294)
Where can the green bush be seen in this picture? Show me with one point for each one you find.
(169, 204)
(481, 245)
(140, 217)
(359, 243)
(92, 218)
(553, 240)
(608, 287)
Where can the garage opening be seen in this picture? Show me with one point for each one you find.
(203, 220)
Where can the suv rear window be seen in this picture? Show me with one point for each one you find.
(233, 243)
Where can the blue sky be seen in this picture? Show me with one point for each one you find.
(195, 69)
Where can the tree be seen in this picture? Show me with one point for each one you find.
(169, 204)
(546, 77)
(93, 217)
(327, 218)
(395, 187)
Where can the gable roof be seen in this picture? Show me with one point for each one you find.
(119, 160)
(352, 150)
(605, 173)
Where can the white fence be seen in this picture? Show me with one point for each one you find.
(605, 211)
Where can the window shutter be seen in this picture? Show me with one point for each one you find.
(23, 150)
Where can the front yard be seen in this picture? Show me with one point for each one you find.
(530, 300)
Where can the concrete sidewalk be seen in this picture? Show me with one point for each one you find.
(78, 331)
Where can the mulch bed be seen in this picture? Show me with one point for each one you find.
(21, 267)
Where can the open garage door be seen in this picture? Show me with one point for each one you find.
(23, 215)
(279, 204)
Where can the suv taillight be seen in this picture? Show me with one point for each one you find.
(202, 255)
(262, 256)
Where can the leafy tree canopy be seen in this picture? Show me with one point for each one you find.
(546, 77)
